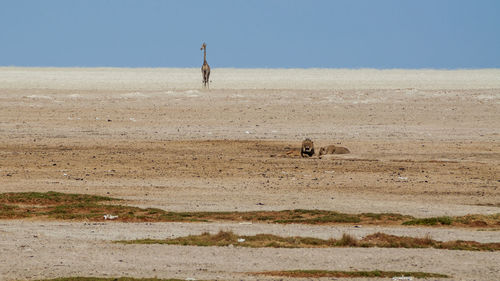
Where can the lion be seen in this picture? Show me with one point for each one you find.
(332, 149)
(307, 148)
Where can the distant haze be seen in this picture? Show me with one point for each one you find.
(444, 34)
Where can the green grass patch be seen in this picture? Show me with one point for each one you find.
(351, 274)
(382, 240)
(50, 198)
(7, 208)
(430, 221)
(468, 220)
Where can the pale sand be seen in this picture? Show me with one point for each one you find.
(424, 143)
(228, 78)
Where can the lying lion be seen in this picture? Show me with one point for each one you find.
(332, 149)
(307, 149)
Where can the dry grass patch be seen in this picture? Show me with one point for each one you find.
(392, 241)
(464, 221)
(350, 274)
(107, 279)
(50, 198)
(65, 206)
(226, 238)
(489, 204)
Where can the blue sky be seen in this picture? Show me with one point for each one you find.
(269, 33)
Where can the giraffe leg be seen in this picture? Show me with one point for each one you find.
(206, 74)
(208, 80)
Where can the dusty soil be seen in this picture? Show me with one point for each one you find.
(423, 144)
(215, 175)
(51, 249)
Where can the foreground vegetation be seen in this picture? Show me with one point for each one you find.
(382, 240)
(351, 274)
(107, 279)
(65, 206)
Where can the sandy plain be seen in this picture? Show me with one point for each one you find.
(424, 143)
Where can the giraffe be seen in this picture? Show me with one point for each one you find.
(205, 69)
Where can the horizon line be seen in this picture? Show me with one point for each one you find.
(242, 68)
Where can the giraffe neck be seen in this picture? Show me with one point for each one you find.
(205, 55)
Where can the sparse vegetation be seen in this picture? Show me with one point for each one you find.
(350, 274)
(382, 240)
(468, 220)
(430, 221)
(90, 207)
(488, 229)
(346, 241)
(66, 206)
(106, 279)
(489, 204)
(50, 198)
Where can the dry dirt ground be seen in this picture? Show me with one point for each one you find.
(424, 143)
